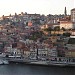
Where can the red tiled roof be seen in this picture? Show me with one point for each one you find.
(64, 20)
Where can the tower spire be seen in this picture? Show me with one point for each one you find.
(65, 12)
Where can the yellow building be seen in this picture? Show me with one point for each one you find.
(70, 53)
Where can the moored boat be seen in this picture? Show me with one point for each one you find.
(4, 62)
(1, 62)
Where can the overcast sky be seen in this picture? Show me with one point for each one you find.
(35, 6)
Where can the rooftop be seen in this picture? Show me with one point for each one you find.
(73, 9)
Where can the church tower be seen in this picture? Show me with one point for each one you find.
(65, 12)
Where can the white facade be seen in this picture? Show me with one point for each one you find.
(55, 25)
(73, 34)
(52, 52)
(66, 25)
(42, 52)
(13, 50)
(73, 15)
(33, 53)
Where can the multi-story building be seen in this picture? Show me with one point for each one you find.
(73, 15)
(66, 24)
(52, 52)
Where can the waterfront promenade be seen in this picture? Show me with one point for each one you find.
(40, 62)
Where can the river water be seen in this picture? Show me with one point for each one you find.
(19, 69)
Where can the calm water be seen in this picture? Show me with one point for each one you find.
(18, 69)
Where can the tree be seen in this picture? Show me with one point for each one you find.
(49, 29)
(57, 28)
(63, 29)
(67, 34)
(35, 35)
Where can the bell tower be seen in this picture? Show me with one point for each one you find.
(65, 12)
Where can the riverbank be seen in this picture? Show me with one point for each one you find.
(40, 62)
(44, 63)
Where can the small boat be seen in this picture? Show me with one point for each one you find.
(4, 62)
(1, 62)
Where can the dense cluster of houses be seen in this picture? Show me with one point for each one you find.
(22, 34)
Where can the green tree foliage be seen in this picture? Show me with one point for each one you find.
(49, 29)
(63, 29)
(57, 28)
(35, 35)
(67, 34)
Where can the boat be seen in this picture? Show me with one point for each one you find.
(1, 62)
(4, 62)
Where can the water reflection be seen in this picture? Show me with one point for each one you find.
(18, 69)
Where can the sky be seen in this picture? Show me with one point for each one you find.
(35, 6)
